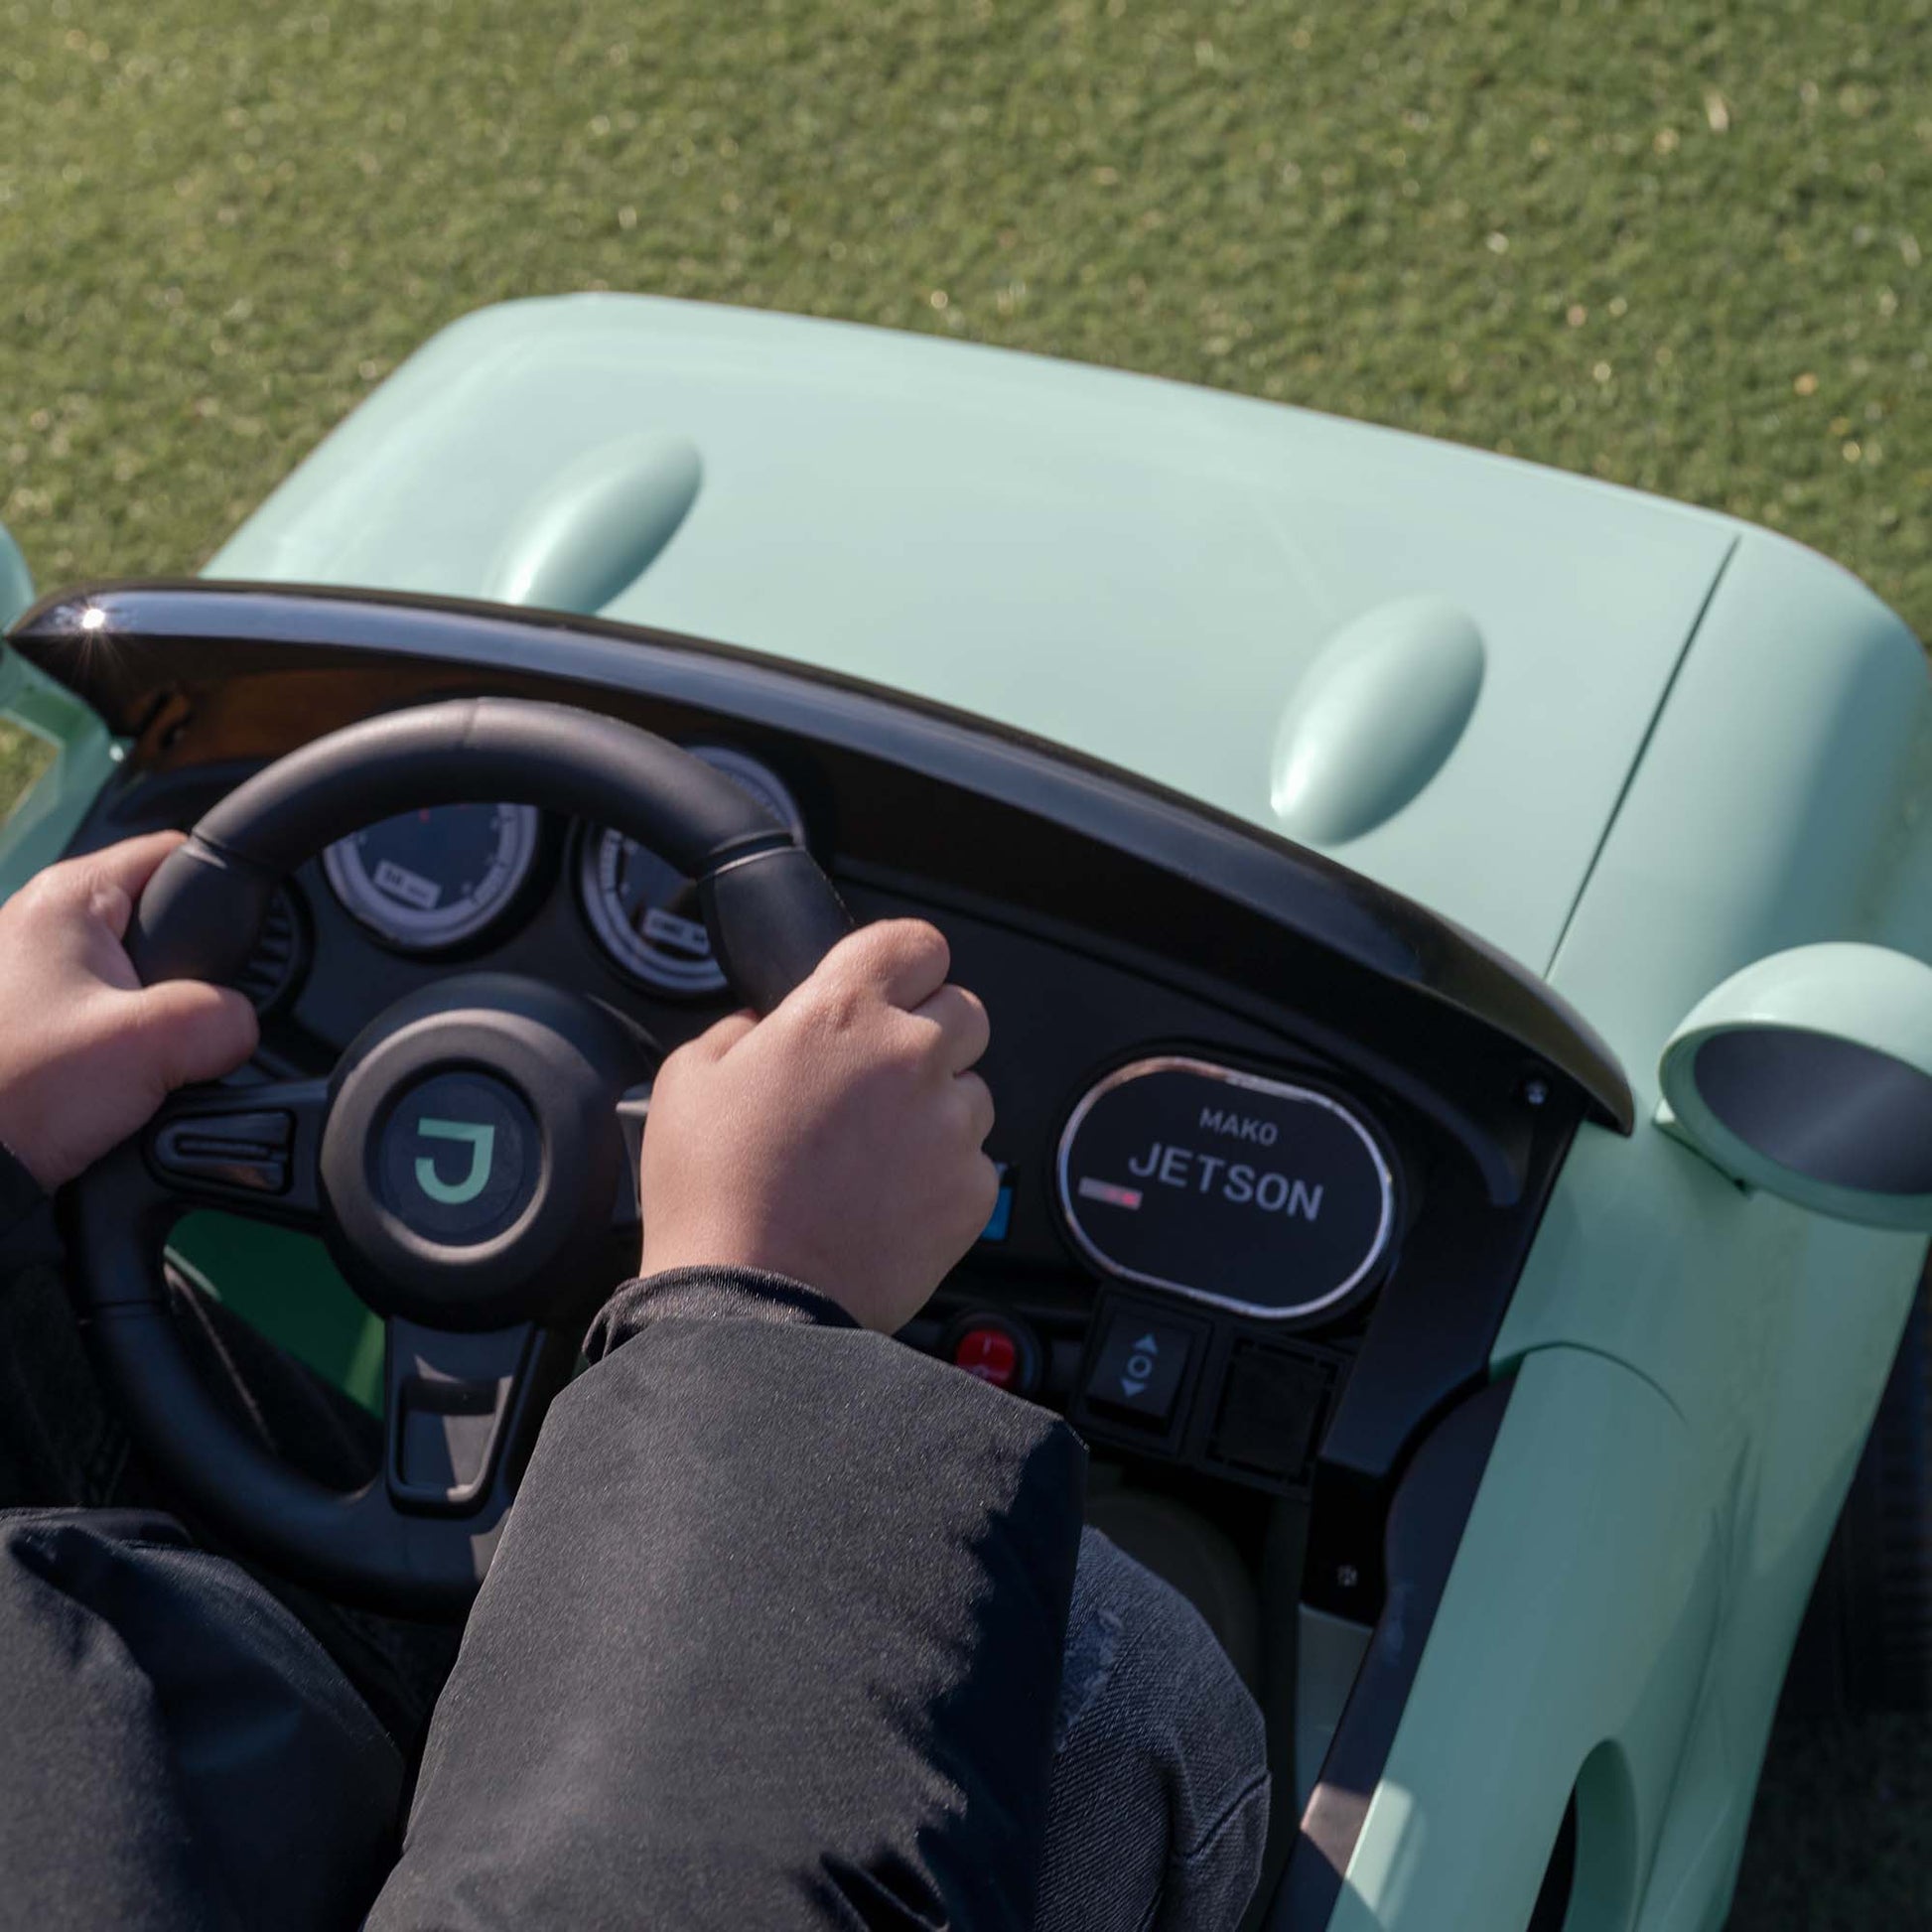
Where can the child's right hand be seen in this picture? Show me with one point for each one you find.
(837, 1141)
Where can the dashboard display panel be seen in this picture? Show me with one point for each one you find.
(1253, 1194)
(434, 878)
(645, 912)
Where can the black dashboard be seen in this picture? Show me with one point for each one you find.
(1272, 1141)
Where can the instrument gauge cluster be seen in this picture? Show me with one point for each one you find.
(433, 879)
(644, 913)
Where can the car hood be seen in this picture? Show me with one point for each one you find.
(1434, 664)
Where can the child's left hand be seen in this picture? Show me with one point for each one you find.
(86, 1053)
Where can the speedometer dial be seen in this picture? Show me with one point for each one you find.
(431, 879)
(645, 912)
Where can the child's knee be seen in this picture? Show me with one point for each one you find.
(1160, 1784)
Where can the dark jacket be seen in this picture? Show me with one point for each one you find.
(772, 1639)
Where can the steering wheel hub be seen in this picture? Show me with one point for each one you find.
(498, 1158)
(472, 1158)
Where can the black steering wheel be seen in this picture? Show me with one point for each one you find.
(466, 1162)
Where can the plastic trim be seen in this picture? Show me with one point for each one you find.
(121, 647)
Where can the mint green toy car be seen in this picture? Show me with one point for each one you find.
(1455, 939)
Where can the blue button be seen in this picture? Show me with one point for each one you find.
(996, 1229)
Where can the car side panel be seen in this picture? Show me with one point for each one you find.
(1590, 1631)
(78, 758)
(16, 585)
(1781, 799)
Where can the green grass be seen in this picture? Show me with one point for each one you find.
(1678, 244)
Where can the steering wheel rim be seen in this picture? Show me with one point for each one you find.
(475, 1286)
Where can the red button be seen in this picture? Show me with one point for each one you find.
(990, 1353)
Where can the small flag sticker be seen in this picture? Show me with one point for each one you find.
(1105, 1190)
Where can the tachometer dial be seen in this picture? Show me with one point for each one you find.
(648, 915)
(434, 878)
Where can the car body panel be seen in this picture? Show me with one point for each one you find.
(1780, 800)
(1596, 1624)
(1136, 569)
(16, 582)
(84, 755)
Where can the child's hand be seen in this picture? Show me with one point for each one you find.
(86, 1053)
(836, 1141)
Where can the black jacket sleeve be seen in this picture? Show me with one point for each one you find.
(25, 1223)
(772, 1639)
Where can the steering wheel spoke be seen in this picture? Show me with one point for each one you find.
(633, 1111)
(461, 1412)
(248, 1150)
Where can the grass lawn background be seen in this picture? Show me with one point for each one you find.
(1678, 245)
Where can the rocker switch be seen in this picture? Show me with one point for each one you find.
(1137, 1373)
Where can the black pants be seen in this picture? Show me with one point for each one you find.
(178, 1749)
(181, 1753)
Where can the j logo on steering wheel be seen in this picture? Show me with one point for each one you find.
(481, 1140)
